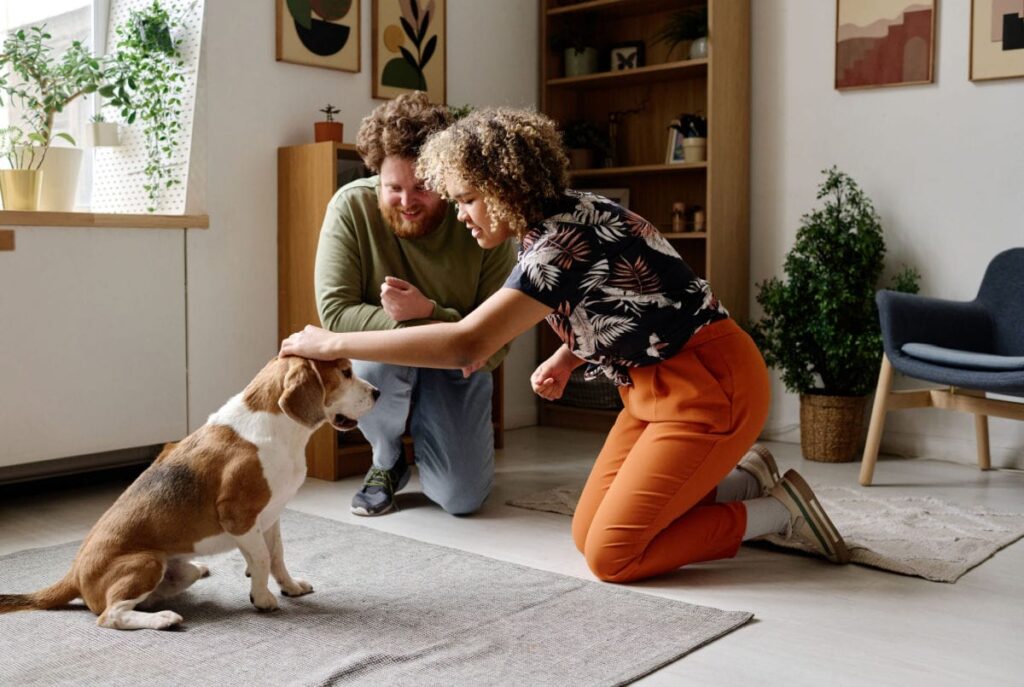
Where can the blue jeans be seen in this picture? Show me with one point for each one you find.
(450, 422)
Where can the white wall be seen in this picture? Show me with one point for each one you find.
(252, 105)
(942, 163)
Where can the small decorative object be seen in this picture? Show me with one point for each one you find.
(997, 39)
(678, 217)
(834, 348)
(628, 55)
(884, 43)
(693, 129)
(574, 42)
(328, 130)
(409, 49)
(586, 143)
(675, 153)
(319, 33)
(698, 219)
(104, 133)
(611, 158)
(619, 196)
(687, 26)
(20, 185)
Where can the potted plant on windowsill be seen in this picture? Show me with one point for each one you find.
(586, 143)
(21, 183)
(43, 85)
(820, 327)
(687, 26)
(104, 133)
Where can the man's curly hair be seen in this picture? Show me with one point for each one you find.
(514, 157)
(399, 127)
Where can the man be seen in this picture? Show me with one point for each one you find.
(392, 254)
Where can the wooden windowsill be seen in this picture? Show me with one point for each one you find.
(12, 219)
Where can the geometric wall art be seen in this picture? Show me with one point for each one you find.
(997, 39)
(409, 48)
(319, 33)
(884, 43)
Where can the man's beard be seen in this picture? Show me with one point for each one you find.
(429, 220)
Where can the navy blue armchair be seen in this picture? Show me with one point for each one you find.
(970, 347)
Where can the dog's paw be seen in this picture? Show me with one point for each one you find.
(264, 601)
(204, 570)
(165, 619)
(297, 587)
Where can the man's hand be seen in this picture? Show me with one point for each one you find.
(402, 301)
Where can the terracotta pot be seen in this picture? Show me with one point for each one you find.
(832, 427)
(328, 131)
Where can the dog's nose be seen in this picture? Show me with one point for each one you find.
(376, 394)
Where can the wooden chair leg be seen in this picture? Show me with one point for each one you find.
(878, 410)
(981, 429)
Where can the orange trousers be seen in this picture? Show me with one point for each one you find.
(649, 504)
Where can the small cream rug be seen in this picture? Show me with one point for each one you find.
(910, 535)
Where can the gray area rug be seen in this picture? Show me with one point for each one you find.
(911, 535)
(386, 610)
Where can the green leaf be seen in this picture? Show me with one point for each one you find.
(66, 137)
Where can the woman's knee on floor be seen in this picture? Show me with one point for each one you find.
(610, 565)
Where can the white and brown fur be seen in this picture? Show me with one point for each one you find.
(223, 486)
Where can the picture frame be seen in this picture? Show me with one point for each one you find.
(997, 40)
(328, 42)
(626, 55)
(884, 43)
(674, 152)
(410, 48)
(616, 195)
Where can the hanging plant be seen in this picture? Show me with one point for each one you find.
(146, 81)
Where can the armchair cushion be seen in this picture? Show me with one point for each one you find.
(969, 360)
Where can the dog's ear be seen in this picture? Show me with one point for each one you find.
(302, 397)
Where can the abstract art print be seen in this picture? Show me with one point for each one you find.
(409, 48)
(997, 39)
(884, 43)
(319, 33)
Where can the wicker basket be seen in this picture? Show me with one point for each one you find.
(832, 427)
(600, 393)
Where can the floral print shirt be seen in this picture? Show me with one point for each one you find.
(622, 296)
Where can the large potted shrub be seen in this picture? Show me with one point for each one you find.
(820, 326)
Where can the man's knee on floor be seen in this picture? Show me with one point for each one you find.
(458, 500)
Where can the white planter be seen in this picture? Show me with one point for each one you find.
(60, 179)
(699, 48)
(580, 63)
(105, 134)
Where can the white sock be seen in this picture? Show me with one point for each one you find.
(738, 485)
(765, 515)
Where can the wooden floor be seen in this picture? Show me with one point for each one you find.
(815, 624)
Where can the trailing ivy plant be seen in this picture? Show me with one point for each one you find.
(43, 84)
(146, 78)
(820, 326)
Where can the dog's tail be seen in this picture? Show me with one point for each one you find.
(53, 596)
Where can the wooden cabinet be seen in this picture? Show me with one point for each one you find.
(642, 102)
(307, 178)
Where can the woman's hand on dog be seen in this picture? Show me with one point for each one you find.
(311, 342)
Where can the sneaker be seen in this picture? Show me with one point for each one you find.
(809, 526)
(377, 495)
(760, 463)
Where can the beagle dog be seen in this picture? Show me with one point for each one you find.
(223, 486)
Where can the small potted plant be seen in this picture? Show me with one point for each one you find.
(694, 129)
(21, 183)
(687, 26)
(104, 133)
(820, 326)
(328, 129)
(579, 55)
(586, 143)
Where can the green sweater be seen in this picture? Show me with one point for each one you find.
(357, 250)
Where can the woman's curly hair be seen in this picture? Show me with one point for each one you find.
(514, 157)
(399, 127)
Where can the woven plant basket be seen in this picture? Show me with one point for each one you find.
(832, 427)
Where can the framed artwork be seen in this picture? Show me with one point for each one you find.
(616, 195)
(884, 43)
(409, 48)
(319, 33)
(997, 39)
(628, 55)
(675, 145)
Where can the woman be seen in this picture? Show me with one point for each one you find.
(664, 491)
